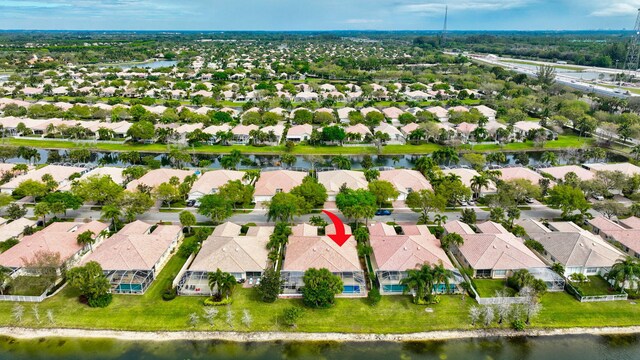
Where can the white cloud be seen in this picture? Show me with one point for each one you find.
(463, 5)
(616, 8)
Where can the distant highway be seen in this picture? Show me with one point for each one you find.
(561, 78)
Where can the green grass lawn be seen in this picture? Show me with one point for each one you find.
(28, 286)
(394, 314)
(564, 141)
(595, 286)
(488, 287)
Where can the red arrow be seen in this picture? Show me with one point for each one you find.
(339, 237)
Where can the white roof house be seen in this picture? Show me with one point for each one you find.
(115, 173)
(300, 132)
(211, 181)
(158, 176)
(405, 181)
(394, 134)
(59, 173)
(334, 179)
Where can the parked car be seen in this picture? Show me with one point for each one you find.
(598, 197)
(529, 200)
(464, 203)
(383, 212)
(191, 203)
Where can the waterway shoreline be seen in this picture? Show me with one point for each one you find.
(232, 336)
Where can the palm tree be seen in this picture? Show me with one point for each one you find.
(549, 157)
(111, 212)
(625, 273)
(451, 239)
(223, 282)
(441, 276)
(251, 176)
(440, 219)
(447, 155)
(86, 238)
(415, 283)
(341, 162)
(477, 183)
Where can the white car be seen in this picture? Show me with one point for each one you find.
(598, 197)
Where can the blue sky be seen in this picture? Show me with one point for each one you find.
(316, 14)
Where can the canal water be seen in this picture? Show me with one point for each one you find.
(541, 348)
(317, 161)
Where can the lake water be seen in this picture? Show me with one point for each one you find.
(151, 65)
(316, 161)
(542, 348)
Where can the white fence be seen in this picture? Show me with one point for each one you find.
(24, 298)
(184, 268)
(501, 300)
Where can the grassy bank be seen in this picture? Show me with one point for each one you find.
(565, 141)
(394, 314)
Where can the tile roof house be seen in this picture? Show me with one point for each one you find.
(59, 173)
(158, 176)
(15, 228)
(492, 255)
(306, 249)
(513, 173)
(559, 172)
(273, 182)
(132, 258)
(394, 254)
(626, 168)
(395, 136)
(299, 133)
(405, 181)
(59, 237)
(115, 173)
(243, 256)
(210, 181)
(578, 250)
(334, 179)
(626, 234)
(241, 133)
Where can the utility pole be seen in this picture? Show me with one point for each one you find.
(633, 52)
(444, 28)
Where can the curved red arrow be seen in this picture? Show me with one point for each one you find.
(339, 237)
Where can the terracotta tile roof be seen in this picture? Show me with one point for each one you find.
(490, 227)
(404, 179)
(14, 228)
(498, 252)
(306, 251)
(333, 180)
(285, 180)
(417, 246)
(559, 172)
(604, 224)
(573, 249)
(158, 176)
(133, 248)
(60, 237)
(215, 179)
(627, 168)
(226, 250)
(631, 222)
(458, 227)
(513, 173)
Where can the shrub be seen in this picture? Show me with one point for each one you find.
(169, 294)
(211, 302)
(532, 244)
(518, 325)
(374, 296)
(292, 314)
(101, 301)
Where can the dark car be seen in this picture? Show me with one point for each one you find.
(191, 203)
(383, 212)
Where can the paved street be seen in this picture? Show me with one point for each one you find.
(258, 216)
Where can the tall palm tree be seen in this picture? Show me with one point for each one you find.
(549, 157)
(222, 282)
(625, 273)
(440, 219)
(86, 238)
(441, 276)
(477, 183)
(113, 213)
(415, 283)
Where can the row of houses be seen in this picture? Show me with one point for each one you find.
(131, 258)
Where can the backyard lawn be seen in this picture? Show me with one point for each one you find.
(488, 287)
(595, 286)
(394, 314)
